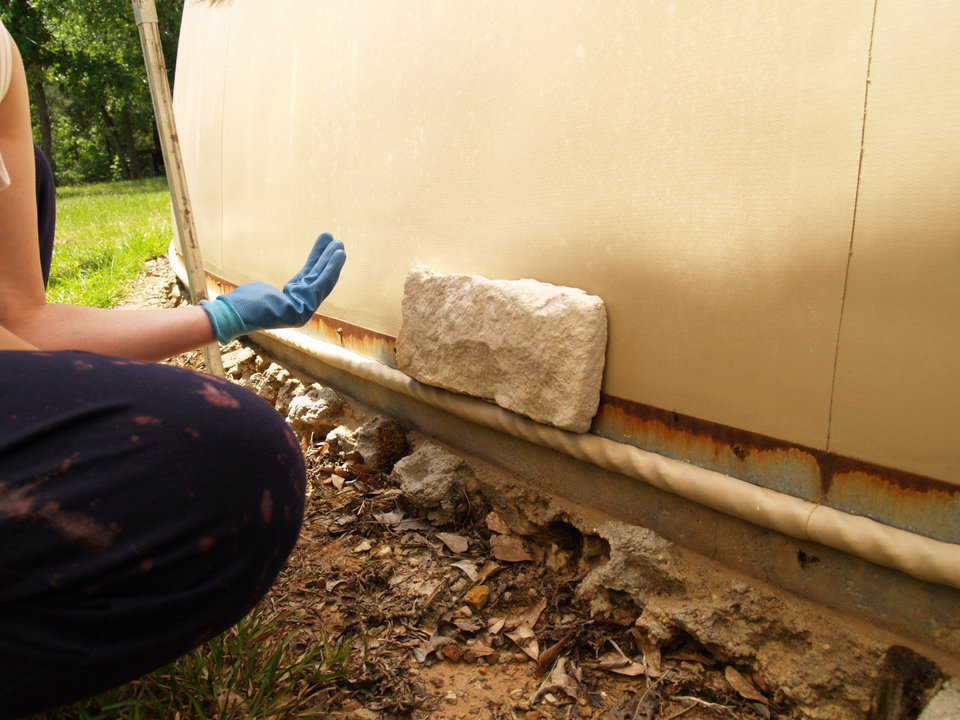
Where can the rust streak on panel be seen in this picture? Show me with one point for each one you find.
(917, 502)
(923, 504)
(347, 335)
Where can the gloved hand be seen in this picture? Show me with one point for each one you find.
(259, 306)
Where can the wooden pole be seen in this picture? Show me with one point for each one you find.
(145, 13)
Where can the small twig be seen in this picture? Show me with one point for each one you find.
(684, 711)
(622, 653)
(647, 690)
(704, 703)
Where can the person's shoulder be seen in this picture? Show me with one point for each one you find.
(6, 60)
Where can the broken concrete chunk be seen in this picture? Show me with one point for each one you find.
(315, 410)
(381, 442)
(531, 347)
(239, 362)
(341, 440)
(271, 381)
(433, 480)
(291, 388)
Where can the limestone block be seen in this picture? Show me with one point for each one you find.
(531, 347)
(945, 705)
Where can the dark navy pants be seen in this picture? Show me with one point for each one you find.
(143, 509)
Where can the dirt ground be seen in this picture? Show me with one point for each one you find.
(468, 616)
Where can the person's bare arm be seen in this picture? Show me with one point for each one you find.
(9, 341)
(25, 316)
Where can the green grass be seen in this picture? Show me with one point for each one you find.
(105, 233)
(251, 671)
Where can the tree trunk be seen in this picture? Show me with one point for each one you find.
(113, 142)
(43, 118)
(130, 143)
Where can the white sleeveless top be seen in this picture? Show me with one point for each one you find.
(6, 73)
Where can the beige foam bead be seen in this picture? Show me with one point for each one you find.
(531, 347)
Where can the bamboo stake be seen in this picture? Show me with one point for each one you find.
(145, 14)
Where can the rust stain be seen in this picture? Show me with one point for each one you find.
(353, 337)
(885, 493)
(813, 474)
(361, 340)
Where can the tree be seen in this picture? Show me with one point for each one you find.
(88, 85)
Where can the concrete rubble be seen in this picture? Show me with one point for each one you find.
(381, 441)
(805, 655)
(342, 440)
(315, 410)
(434, 480)
(531, 347)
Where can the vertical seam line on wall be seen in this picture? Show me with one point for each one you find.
(853, 223)
(223, 118)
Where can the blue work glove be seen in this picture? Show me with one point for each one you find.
(259, 306)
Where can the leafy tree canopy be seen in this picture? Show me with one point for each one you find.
(88, 85)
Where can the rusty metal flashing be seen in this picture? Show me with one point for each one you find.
(368, 343)
(919, 504)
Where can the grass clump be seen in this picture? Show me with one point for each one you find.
(105, 233)
(251, 671)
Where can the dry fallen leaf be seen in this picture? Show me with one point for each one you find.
(362, 546)
(528, 617)
(742, 685)
(557, 681)
(526, 640)
(456, 543)
(388, 518)
(468, 568)
(495, 625)
(469, 625)
(496, 524)
(488, 570)
(619, 664)
(510, 549)
(651, 653)
(436, 642)
(691, 656)
(481, 650)
(548, 656)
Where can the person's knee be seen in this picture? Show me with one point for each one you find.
(235, 470)
(260, 467)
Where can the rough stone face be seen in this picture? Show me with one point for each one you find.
(270, 382)
(381, 442)
(433, 480)
(531, 347)
(239, 362)
(945, 704)
(341, 440)
(315, 410)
